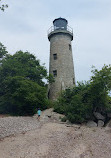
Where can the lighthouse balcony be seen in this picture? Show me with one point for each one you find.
(54, 30)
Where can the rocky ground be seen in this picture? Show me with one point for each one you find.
(26, 137)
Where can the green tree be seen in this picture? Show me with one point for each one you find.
(23, 64)
(22, 89)
(21, 96)
(100, 86)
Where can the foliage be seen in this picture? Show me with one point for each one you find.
(22, 89)
(64, 119)
(79, 103)
(73, 103)
(3, 51)
(23, 64)
(3, 6)
(50, 78)
(21, 96)
(100, 85)
(108, 105)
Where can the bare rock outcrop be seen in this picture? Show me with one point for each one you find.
(91, 124)
(98, 116)
(100, 123)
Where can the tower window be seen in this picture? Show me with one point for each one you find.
(69, 46)
(73, 81)
(55, 56)
(55, 73)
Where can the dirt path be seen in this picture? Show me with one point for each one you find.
(55, 140)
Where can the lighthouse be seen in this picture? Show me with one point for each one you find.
(61, 64)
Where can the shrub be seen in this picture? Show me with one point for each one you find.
(79, 103)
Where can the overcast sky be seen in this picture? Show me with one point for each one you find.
(24, 25)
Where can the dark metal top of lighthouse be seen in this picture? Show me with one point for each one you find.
(60, 25)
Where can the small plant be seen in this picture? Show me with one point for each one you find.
(64, 119)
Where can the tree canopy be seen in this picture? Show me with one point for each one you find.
(23, 64)
(22, 89)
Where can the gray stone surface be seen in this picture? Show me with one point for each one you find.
(98, 116)
(109, 124)
(100, 123)
(109, 115)
(16, 125)
(55, 140)
(91, 124)
(59, 44)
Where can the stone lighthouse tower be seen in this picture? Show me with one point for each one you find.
(61, 65)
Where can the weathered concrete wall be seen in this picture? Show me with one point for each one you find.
(60, 45)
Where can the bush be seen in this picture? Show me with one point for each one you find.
(74, 105)
(64, 119)
(79, 103)
(75, 118)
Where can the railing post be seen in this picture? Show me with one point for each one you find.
(52, 28)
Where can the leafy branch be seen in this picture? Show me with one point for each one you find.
(3, 6)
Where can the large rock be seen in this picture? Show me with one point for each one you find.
(91, 124)
(49, 114)
(109, 115)
(109, 124)
(98, 116)
(100, 123)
